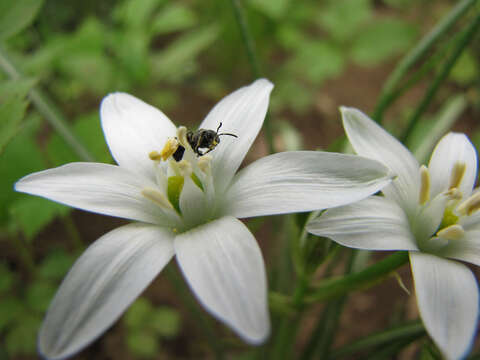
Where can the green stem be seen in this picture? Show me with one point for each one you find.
(253, 60)
(202, 322)
(388, 351)
(288, 327)
(247, 38)
(411, 329)
(332, 288)
(463, 42)
(322, 338)
(415, 54)
(46, 108)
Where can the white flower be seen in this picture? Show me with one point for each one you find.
(188, 209)
(430, 212)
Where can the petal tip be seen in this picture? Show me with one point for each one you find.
(265, 83)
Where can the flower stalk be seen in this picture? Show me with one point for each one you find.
(389, 94)
(466, 38)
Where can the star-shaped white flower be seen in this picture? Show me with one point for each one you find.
(187, 209)
(432, 213)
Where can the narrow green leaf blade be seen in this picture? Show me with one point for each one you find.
(15, 15)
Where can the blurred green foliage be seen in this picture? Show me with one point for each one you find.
(151, 47)
(162, 51)
(147, 326)
(23, 305)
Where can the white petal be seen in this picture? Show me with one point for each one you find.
(224, 267)
(241, 113)
(193, 205)
(103, 282)
(370, 140)
(452, 148)
(447, 297)
(101, 188)
(465, 249)
(375, 223)
(133, 129)
(303, 181)
(428, 218)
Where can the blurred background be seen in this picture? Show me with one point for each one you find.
(183, 57)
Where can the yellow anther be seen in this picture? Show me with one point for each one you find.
(204, 164)
(457, 174)
(155, 156)
(182, 136)
(157, 197)
(454, 194)
(452, 232)
(169, 149)
(424, 194)
(469, 206)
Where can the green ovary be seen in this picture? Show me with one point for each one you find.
(197, 181)
(174, 188)
(449, 218)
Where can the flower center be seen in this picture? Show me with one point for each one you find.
(453, 210)
(177, 166)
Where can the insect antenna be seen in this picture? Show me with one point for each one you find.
(229, 134)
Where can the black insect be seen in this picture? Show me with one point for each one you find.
(201, 139)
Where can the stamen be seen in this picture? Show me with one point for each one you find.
(169, 149)
(157, 197)
(452, 232)
(205, 164)
(424, 195)
(155, 156)
(185, 168)
(457, 174)
(469, 206)
(182, 136)
(454, 194)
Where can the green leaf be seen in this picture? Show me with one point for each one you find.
(165, 322)
(88, 129)
(317, 61)
(15, 15)
(12, 112)
(21, 157)
(135, 13)
(466, 69)
(293, 95)
(19, 88)
(32, 214)
(56, 265)
(138, 314)
(172, 62)
(7, 279)
(132, 48)
(22, 339)
(10, 310)
(13, 106)
(38, 296)
(275, 9)
(143, 344)
(342, 19)
(174, 17)
(381, 40)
